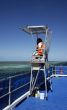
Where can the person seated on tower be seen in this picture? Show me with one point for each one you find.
(40, 47)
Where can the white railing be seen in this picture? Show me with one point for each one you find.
(59, 71)
(54, 72)
(10, 91)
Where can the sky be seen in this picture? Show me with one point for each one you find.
(16, 45)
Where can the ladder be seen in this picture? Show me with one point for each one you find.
(38, 65)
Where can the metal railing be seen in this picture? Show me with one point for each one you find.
(60, 71)
(9, 90)
(21, 83)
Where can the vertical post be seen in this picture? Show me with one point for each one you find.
(31, 80)
(45, 82)
(51, 70)
(9, 91)
(46, 40)
(55, 70)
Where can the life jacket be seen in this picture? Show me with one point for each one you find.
(41, 48)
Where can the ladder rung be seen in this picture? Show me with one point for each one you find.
(37, 68)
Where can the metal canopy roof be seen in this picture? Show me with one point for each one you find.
(36, 29)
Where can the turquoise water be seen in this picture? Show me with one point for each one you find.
(12, 68)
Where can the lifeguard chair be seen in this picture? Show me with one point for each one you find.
(39, 62)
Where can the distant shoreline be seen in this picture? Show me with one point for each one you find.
(57, 63)
(14, 61)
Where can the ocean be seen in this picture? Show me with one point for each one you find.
(11, 68)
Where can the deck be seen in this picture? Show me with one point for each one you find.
(57, 100)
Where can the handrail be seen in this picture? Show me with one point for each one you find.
(20, 87)
(9, 91)
(13, 90)
(53, 71)
(4, 95)
(13, 76)
(8, 78)
(25, 74)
